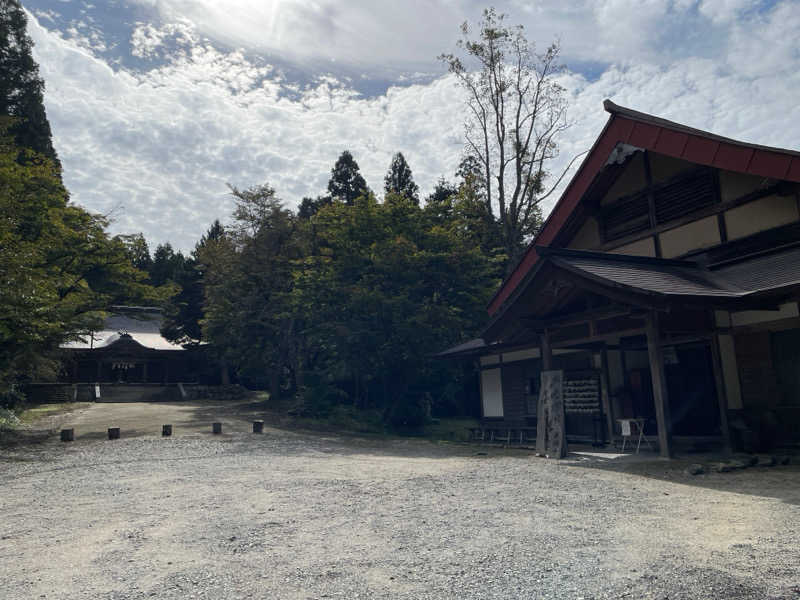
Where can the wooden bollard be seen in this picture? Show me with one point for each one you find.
(166, 430)
(258, 426)
(216, 428)
(113, 433)
(67, 435)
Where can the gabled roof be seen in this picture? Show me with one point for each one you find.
(750, 282)
(142, 324)
(655, 276)
(626, 126)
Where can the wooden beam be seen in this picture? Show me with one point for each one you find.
(606, 393)
(546, 351)
(660, 395)
(606, 312)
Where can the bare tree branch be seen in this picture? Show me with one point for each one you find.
(516, 112)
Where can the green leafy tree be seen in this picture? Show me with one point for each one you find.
(439, 203)
(248, 283)
(137, 249)
(59, 270)
(346, 183)
(310, 206)
(399, 180)
(388, 287)
(21, 88)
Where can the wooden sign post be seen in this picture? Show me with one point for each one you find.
(551, 439)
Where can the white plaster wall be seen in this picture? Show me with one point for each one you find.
(760, 215)
(492, 393)
(643, 247)
(735, 185)
(520, 355)
(748, 317)
(664, 167)
(692, 236)
(588, 236)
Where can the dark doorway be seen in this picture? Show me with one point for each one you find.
(693, 402)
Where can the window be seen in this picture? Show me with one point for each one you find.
(689, 192)
(627, 215)
(686, 195)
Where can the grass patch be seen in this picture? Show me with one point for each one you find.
(34, 413)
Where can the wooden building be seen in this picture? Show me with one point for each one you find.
(665, 284)
(127, 357)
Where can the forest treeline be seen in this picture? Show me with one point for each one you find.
(345, 300)
(340, 302)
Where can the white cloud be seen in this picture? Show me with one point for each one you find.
(408, 36)
(162, 143)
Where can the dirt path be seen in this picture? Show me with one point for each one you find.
(146, 418)
(288, 515)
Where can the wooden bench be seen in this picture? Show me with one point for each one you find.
(507, 435)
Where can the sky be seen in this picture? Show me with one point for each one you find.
(157, 106)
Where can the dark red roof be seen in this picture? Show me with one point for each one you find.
(659, 135)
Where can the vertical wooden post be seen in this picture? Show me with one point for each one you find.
(546, 351)
(660, 395)
(99, 370)
(542, 416)
(144, 372)
(606, 394)
(722, 399)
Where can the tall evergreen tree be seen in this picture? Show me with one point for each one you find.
(310, 206)
(137, 249)
(346, 183)
(439, 204)
(167, 265)
(184, 311)
(21, 88)
(399, 179)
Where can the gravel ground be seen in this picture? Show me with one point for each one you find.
(286, 515)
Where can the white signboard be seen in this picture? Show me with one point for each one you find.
(492, 393)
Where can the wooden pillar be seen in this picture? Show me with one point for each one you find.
(99, 370)
(144, 372)
(542, 416)
(606, 393)
(660, 395)
(722, 398)
(166, 371)
(546, 351)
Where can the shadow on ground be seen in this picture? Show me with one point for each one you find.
(781, 482)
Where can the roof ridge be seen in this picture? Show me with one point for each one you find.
(616, 109)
